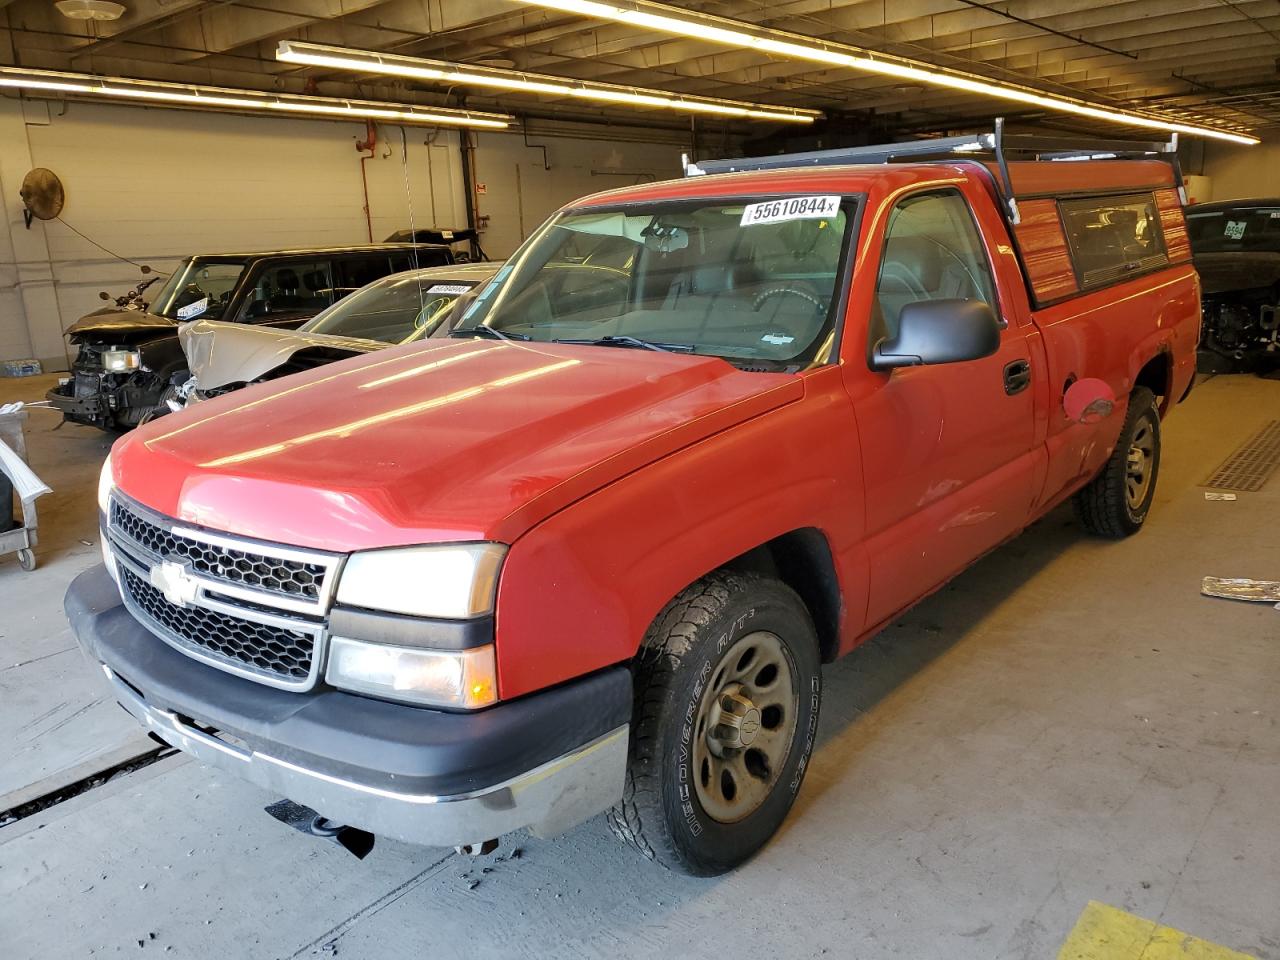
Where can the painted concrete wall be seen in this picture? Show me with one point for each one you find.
(1237, 172)
(523, 184)
(153, 185)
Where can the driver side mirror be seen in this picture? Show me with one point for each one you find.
(939, 331)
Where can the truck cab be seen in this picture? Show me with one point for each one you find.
(589, 552)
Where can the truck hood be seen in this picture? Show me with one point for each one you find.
(219, 353)
(442, 441)
(119, 326)
(1238, 271)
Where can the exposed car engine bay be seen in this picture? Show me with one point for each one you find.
(1236, 245)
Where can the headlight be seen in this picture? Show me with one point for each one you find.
(464, 679)
(120, 361)
(105, 486)
(105, 483)
(456, 581)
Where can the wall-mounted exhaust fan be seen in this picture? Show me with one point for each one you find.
(42, 195)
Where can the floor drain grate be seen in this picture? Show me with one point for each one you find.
(1248, 468)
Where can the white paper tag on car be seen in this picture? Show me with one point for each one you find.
(193, 309)
(443, 288)
(791, 208)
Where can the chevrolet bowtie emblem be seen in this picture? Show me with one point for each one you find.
(173, 580)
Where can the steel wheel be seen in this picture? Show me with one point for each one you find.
(746, 723)
(1138, 472)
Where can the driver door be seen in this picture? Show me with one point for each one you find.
(948, 448)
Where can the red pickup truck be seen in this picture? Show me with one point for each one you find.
(588, 552)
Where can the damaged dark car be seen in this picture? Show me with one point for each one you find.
(1236, 244)
(129, 361)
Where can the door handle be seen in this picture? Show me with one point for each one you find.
(1017, 376)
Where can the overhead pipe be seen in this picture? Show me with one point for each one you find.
(368, 143)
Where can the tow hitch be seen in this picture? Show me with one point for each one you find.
(357, 842)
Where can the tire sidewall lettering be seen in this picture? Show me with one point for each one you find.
(695, 819)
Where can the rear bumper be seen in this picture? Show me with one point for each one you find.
(544, 762)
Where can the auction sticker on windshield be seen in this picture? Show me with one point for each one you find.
(442, 288)
(792, 208)
(193, 309)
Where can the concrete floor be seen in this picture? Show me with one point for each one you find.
(1068, 721)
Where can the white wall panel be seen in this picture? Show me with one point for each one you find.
(154, 185)
(1240, 172)
(520, 192)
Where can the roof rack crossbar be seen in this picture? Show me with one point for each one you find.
(998, 145)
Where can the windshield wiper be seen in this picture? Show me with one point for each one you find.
(492, 333)
(624, 340)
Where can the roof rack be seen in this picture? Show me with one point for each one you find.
(996, 145)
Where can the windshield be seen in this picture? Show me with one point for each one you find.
(393, 310)
(1239, 228)
(744, 280)
(199, 288)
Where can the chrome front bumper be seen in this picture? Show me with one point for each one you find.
(548, 799)
(544, 762)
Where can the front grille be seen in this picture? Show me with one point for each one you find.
(271, 574)
(255, 646)
(253, 608)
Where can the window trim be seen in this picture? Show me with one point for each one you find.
(998, 306)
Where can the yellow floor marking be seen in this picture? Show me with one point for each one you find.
(1106, 933)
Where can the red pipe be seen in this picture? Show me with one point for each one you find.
(370, 141)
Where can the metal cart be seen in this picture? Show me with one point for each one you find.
(21, 538)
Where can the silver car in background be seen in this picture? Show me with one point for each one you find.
(401, 308)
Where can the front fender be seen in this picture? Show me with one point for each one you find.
(579, 590)
(163, 356)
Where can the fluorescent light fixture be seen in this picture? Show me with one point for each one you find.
(442, 71)
(203, 97)
(662, 18)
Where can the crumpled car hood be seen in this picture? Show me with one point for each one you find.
(220, 353)
(447, 440)
(1237, 271)
(121, 325)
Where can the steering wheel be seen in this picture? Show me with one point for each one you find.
(760, 299)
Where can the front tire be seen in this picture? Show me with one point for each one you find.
(1116, 501)
(728, 688)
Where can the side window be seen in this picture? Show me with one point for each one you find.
(295, 288)
(355, 272)
(932, 251)
(1112, 237)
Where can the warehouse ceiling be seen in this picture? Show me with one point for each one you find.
(1211, 62)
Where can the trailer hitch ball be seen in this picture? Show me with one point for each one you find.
(477, 849)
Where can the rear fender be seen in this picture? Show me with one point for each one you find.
(1164, 359)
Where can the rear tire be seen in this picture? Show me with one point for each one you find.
(1116, 501)
(728, 688)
